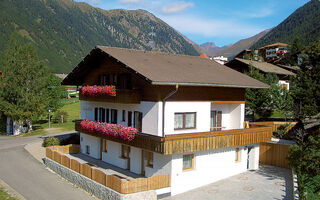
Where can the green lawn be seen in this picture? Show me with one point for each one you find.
(5, 196)
(72, 107)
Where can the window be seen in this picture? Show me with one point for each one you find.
(123, 115)
(105, 80)
(237, 158)
(125, 150)
(114, 116)
(96, 112)
(188, 161)
(87, 149)
(102, 115)
(184, 120)
(137, 120)
(107, 116)
(149, 159)
(216, 120)
(114, 79)
(105, 146)
(129, 118)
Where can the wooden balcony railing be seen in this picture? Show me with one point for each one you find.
(191, 142)
(123, 96)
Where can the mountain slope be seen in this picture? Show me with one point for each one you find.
(241, 45)
(211, 49)
(304, 24)
(64, 31)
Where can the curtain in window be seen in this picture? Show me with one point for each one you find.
(187, 161)
(190, 120)
(178, 121)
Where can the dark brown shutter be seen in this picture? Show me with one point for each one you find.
(129, 118)
(95, 114)
(219, 120)
(140, 122)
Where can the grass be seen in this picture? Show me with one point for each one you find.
(5, 196)
(72, 107)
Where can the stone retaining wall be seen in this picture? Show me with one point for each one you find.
(95, 188)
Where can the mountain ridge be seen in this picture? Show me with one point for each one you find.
(303, 23)
(64, 31)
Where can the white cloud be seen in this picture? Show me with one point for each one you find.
(264, 12)
(210, 28)
(129, 1)
(176, 7)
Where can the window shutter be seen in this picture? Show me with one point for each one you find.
(107, 116)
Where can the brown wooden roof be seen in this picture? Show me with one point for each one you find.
(266, 67)
(169, 69)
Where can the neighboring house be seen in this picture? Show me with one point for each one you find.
(220, 59)
(242, 65)
(274, 51)
(189, 111)
(15, 128)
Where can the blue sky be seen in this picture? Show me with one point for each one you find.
(221, 21)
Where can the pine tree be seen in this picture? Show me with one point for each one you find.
(306, 85)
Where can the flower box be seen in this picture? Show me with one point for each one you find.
(113, 130)
(108, 90)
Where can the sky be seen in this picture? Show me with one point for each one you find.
(223, 22)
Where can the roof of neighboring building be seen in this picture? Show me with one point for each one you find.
(170, 69)
(204, 55)
(266, 67)
(276, 44)
(295, 68)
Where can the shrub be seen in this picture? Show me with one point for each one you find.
(57, 117)
(281, 132)
(51, 141)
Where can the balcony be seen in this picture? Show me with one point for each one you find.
(191, 142)
(123, 96)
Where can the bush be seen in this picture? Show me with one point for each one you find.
(73, 139)
(51, 141)
(281, 132)
(57, 117)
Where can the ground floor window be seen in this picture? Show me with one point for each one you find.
(188, 162)
(87, 149)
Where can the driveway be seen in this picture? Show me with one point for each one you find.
(29, 177)
(267, 183)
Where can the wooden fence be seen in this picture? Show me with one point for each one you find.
(275, 125)
(115, 182)
(274, 154)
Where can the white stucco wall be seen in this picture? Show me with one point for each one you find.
(113, 155)
(150, 111)
(161, 165)
(93, 142)
(209, 166)
(202, 119)
(232, 114)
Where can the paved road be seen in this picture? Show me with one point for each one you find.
(264, 184)
(29, 177)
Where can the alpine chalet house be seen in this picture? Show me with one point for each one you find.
(156, 113)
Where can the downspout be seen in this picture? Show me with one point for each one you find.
(163, 106)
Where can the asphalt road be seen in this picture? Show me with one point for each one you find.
(29, 177)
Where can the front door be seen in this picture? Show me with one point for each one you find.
(249, 158)
(143, 162)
